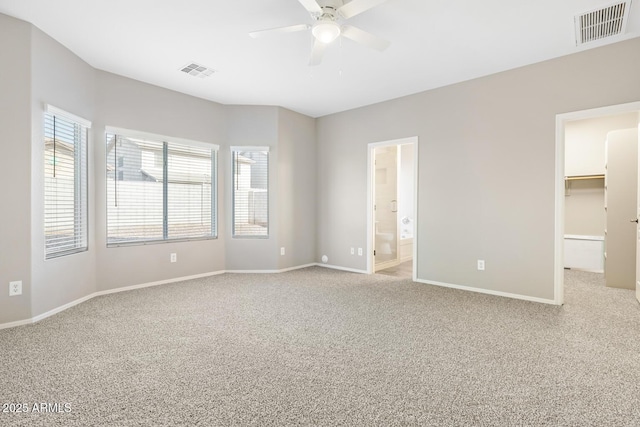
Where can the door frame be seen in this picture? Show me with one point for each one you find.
(371, 229)
(561, 120)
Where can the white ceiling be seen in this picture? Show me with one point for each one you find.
(433, 43)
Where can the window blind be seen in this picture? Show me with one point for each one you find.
(190, 196)
(250, 191)
(134, 190)
(65, 186)
(159, 190)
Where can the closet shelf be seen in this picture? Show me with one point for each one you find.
(579, 177)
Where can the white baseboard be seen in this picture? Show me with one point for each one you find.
(215, 273)
(61, 308)
(49, 313)
(300, 267)
(335, 267)
(283, 270)
(16, 324)
(160, 282)
(133, 287)
(488, 292)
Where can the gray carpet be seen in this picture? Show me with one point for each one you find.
(322, 347)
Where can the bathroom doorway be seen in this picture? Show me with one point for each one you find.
(393, 207)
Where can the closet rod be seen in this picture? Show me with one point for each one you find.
(578, 177)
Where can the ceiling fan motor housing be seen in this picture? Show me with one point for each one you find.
(326, 29)
(329, 16)
(329, 9)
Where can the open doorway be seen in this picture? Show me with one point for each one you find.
(392, 207)
(587, 228)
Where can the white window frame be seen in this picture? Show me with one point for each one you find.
(80, 190)
(234, 233)
(165, 140)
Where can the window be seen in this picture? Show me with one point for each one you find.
(159, 188)
(65, 183)
(250, 191)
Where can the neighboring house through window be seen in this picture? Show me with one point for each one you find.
(65, 186)
(159, 188)
(250, 191)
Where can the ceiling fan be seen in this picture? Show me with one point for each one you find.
(328, 16)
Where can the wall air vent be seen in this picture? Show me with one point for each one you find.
(197, 70)
(602, 23)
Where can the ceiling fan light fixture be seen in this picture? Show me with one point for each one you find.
(326, 31)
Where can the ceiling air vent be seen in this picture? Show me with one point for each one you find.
(197, 70)
(599, 24)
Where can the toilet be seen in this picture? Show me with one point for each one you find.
(384, 240)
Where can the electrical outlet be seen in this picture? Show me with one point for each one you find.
(282, 250)
(359, 251)
(481, 264)
(174, 257)
(353, 251)
(15, 288)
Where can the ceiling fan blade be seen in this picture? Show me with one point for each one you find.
(364, 38)
(356, 7)
(317, 52)
(311, 5)
(280, 30)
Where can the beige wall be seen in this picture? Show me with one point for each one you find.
(297, 174)
(39, 71)
(253, 126)
(61, 79)
(584, 208)
(483, 144)
(584, 142)
(290, 137)
(15, 178)
(129, 104)
(486, 168)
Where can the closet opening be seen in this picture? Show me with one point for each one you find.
(597, 206)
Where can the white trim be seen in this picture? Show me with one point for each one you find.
(16, 324)
(370, 219)
(298, 267)
(561, 120)
(400, 141)
(48, 108)
(283, 270)
(159, 282)
(61, 308)
(248, 148)
(101, 293)
(134, 287)
(154, 137)
(488, 292)
(336, 267)
(416, 200)
(370, 215)
(581, 237)
(593, 113)
(558, 244)
(47, 314)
